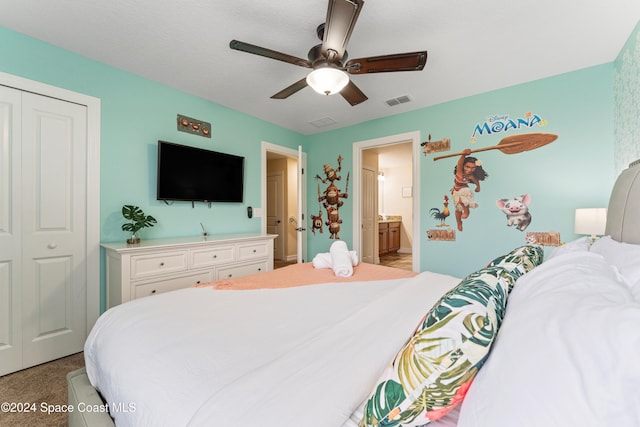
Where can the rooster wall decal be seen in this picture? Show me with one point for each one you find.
(441, 215)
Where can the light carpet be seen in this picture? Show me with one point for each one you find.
(32, 392)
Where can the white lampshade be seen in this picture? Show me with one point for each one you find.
(327, 80)
(590, 221)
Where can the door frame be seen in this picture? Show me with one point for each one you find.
(93, 181)
(358, 147)
(301, 157)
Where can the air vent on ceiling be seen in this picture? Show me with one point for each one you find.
(399, 100)
(320, 123)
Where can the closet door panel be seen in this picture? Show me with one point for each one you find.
(54, 227)
(10, 232)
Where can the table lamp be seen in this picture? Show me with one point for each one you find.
(591, 221)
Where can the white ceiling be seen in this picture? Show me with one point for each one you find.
(474, 47)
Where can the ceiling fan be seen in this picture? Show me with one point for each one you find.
(329, 59)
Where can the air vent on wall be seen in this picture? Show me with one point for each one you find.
(320, 123)
(399, 100)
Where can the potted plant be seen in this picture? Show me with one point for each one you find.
(138, 220)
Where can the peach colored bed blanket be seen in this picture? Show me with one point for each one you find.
(305, 274)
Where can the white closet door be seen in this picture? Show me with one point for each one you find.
(54, 194)
(10, 232)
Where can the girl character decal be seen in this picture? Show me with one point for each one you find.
(468, 170)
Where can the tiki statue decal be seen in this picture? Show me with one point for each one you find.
(331, 198)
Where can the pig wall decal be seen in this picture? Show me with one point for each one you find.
(517, 211)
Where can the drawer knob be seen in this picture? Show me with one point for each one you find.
(230, 275)
(254, 251)
(153, 291)
(52, 245)
(198, 282)
(161, 264)
(215, 256)
(259, 269)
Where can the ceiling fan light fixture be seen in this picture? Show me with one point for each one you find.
(327, 80)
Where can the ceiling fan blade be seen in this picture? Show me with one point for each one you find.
(341, 18)
(353, 94)
(288, 91)
(262, 51)
(413, 61)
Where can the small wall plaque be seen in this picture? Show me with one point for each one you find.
(447, 235)
(550, 238)
(194, 126)
(429, 146)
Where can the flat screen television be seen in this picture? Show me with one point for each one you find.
(198, 175)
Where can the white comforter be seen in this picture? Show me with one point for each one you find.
(566, 354)
(280, 357)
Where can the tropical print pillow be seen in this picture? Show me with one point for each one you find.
(520, 260)
(431, 374)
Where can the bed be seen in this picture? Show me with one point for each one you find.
(518, 342)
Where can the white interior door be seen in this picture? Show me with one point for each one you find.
(369, 215)
(54, 194)
(301, 253)
(298, 154)
(10, 232)
(275, 213)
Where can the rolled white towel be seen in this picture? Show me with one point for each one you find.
(323, 259)
(341, 259)
(354, 258)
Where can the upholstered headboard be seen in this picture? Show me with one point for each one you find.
(623, 214)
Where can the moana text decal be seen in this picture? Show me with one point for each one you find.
(503, 123)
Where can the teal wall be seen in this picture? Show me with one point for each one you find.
(135, 114)
(575, 171)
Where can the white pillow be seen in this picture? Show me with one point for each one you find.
(623, 256)
(566, 353)
(579, 245)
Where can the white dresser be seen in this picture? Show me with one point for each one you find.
(163, 265)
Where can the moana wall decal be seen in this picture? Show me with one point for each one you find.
(468, 173)
(443, 214)
(468, 170)
(517, 211)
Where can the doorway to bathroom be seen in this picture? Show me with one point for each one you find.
(386, 203)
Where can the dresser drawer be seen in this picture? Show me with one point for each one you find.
(253, 250)
(172, 284)
(160, 263)
(211, 256)
(241, 270)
